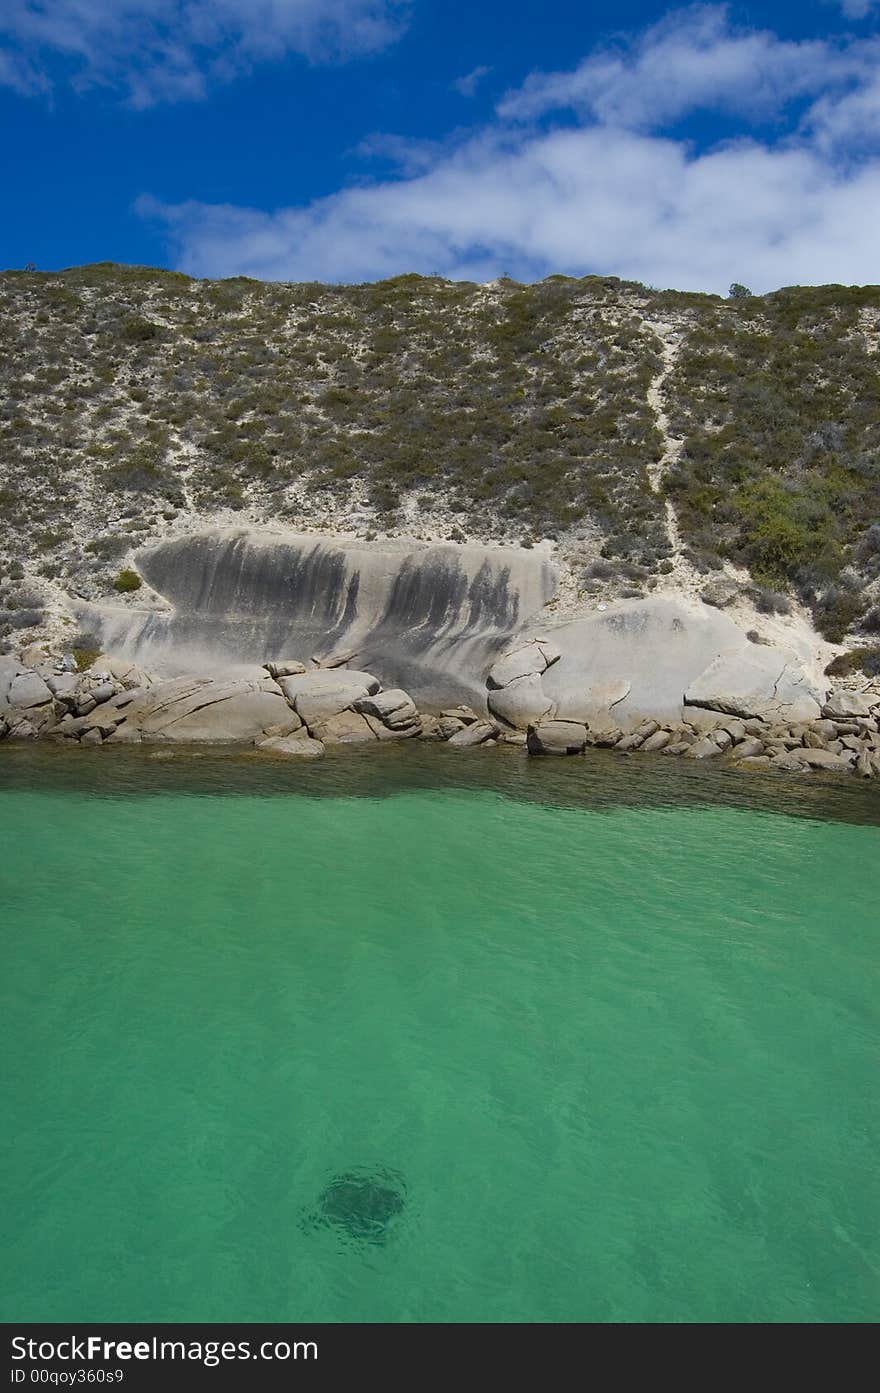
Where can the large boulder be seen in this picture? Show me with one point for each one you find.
(198, 709)
(720, 592)
(27, 689)
(663, 647)
(756, 682)
(842, 704)
(557, 738)
(826, 759)
(521, 703)
(317, 695)
(528, 660)
(394, 707)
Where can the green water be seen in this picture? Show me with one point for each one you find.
(621, 1050)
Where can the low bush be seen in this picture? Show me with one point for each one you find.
(127, 581)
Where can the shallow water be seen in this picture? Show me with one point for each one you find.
(416, 1035)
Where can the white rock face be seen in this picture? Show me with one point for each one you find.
(426, 617)
(760, 682)
(668, 650)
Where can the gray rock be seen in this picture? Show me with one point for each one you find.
(103, 692)
(476, 734)
(447, 726)
(529, 660)
(788, 764)
(10, 668)
(723, 739)
(394, 707)
(864, 767)
(754, 762)
(27, 689)
(756, 682)
(382, 731)
(523, 702)
(317, 695)
(629, 742)
(735, 729)
(92, 736)
(825, 728)
(703, 749)
(593, 705)
(557, 738)
(344, 728)
(841, 704)
(429, 728)
(720, 592)
(292, 722)
(63, 687)
(299, 744)
(658, 741)
(750, 748)
(285, 667)
(465, 714)
(678, 747)
(200, 710)
(125, 735)
(825, 759)
(85, 703)
(604, 739)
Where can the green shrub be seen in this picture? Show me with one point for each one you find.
(865, 660)
(127, 581)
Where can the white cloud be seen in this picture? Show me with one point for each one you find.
(857, 9)
(468, 84)
(607, 195)
(596, 200)
(693, 60)
(159, 50)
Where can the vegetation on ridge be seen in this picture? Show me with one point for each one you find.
(130, 395)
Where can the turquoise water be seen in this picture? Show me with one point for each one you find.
(617, 1050)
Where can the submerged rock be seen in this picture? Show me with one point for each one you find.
(362, 1204)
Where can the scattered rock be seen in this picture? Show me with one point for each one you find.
(658, 741)
(843, 703)
(476, 734)
(704, 748)
(719, 593)
(465, 714)
(750, 748)
(394, 707)
(344, 728)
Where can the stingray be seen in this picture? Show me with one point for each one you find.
(361, 1203)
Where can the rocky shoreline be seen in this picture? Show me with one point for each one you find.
(295, 709)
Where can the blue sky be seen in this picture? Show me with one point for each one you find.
(352, 139)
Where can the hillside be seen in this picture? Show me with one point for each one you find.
(652, 438)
